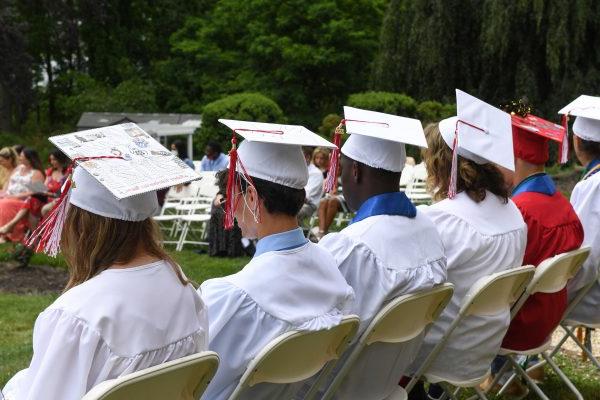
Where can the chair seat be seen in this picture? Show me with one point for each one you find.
(464, 384)
(529, 352)
(398, 394)
(168, 217)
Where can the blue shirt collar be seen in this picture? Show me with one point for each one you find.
(281, 241)
(395, 203)
(538, 183)
(592, 164)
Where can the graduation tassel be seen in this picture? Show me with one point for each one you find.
(564, 148)
(334, 158)
(230, 195)
(46, 237)
(454, 169)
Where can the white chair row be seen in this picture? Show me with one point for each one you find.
(413, 181)
(296, 356)
(184, 208)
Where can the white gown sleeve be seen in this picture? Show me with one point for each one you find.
(63, 350)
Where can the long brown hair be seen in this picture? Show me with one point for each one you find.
(91, 243)
(472, 178)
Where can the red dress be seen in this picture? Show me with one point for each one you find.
(552, 228)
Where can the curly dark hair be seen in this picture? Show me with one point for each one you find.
(472, 178)
(278, 199)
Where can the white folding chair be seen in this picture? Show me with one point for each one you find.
(297, 355)
(182, 379)
(551, 276)
(406, 176)
(401, 320)
(490, 295)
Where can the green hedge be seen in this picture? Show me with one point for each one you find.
(241, 106)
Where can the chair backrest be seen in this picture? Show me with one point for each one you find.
(182, 379)
(489, 295)
(401, 320)
(405, 317)
(553, 274)
(297, 355)
(494, 293)
(407, 175)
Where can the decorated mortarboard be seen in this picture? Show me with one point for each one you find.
(272, 152)
(586, 109)
(115, 172)
(480, 132)
(531, 134)
(376, 139)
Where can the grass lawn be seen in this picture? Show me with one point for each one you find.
(18, 312)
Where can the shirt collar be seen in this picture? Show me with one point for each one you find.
(395, 203)
(280, 241)
(591, 169)
(537, 183)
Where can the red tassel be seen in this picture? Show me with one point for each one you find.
(230, 195)
(563, 154)
(334, 159)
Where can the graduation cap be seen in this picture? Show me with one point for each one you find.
(586, 109)
(531, 135)
(115, 172)
(480, 132)
(272, 152)
(376, 139)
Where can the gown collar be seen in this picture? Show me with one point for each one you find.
(281, 241)
(538, 183)
(592, 168)
(395, 203)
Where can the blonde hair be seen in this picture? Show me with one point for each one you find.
(10, 154)
(91, 243)
(320, 150)
(472, 178)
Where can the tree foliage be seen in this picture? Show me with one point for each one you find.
(545, 50)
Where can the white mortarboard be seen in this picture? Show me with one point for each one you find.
(480, 132)
(378, 140)
(586, 109)
(272, 152)
(115, 173)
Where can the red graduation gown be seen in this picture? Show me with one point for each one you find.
(552, 228)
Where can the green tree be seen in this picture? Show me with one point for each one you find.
(308, 56)
(241, 106)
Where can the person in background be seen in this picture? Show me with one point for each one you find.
(388, 250)
(8, 162)
(586, 202)
(179, 149)
(25, 184)
(110, 321)
(223, 242)
(290, 283)
(320, 158)
(552, 228)
(214, 159)
(482, 232)
(313, 189)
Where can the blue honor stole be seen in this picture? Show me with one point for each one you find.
(537, 183)
(591, 169)
(395, 203)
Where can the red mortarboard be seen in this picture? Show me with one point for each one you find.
(531, 135)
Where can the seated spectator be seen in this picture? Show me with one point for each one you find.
(290, 283)
(22, 191)
(214, 159)
(127, 305)
(320, 158)
(223, 242)
(8, 162)
(313, 189)
(178, 148)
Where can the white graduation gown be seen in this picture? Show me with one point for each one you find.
(480, 239)
(586, 202)
(119, 322)
(314, 187)
(278, 291)
(383, 257)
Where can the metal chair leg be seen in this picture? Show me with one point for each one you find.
(562, 376)
(524, 375)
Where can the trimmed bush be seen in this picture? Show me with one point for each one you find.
(386, 102)
(241, 106)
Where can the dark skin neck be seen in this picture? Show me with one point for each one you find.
(363, 182)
